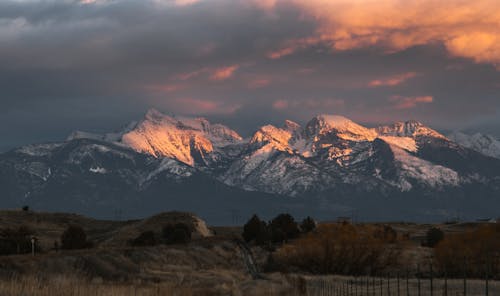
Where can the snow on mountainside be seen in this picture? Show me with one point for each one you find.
(327, 151)
(335, 150)
(484, 144)
(343, 127)
(108, 137)
(193, 141)
(423, 171)
(410, 129)
(189, 140)
(180, 160)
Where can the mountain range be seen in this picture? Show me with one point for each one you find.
(329, 167)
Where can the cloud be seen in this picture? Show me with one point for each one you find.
(223, 73)
(291, 46)
(409, 102)
(469, 29)
(393, 80)
(259, 83)
(309, 104)
(280, 104)
(185, 2)
(168, 87)
(116, 58)
(277, 54)
(190, 75)
(193, 106)
(216, 74)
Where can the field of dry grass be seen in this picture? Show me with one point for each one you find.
(209, 265)
(274, 284)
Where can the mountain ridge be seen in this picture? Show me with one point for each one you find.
(323, 162)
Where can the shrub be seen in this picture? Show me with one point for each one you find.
(308, 225)
(15, 241)
(256, 230)
(283, 227)
(434, 236)
(179, 233)
(337, 249)
(473, 252)
(387, 234)
(74, 237)
(26, 208)
(146, 238)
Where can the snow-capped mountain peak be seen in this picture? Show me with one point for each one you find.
(409, 128)
(189, 140)
(344, 128)
(291, 126)
(276, 138)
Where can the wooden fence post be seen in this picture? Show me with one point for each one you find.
(407, 282)
(388, 285)
(397, 276)
(431, 279)
(465, 276)
(418, 280)
(445, 281)
(487, 275)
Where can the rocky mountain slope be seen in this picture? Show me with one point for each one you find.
(329, 165)
(485, 144)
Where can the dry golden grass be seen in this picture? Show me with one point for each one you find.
(70, 286)
(342, 249)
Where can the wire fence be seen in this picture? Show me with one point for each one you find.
(399, 286)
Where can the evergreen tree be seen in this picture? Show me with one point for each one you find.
(308, 224)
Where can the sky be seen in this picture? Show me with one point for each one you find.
(95, 65)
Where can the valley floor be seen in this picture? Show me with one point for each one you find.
(208, 265)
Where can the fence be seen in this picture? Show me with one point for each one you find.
(469, 277)
(399, 286)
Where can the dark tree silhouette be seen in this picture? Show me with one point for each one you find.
(256, 230)
(74, 237)
(434, 236)
(15, 241)
(308, 225)
(283, 227)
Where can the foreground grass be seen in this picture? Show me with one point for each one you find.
(69, 286)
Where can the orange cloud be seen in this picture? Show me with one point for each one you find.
(199, 106)
(224, 72)
(165, 87)
(280, 105)
(392, 81)
(469, 29)
(282, 52)
(410, 102)
(185, 2)
(292, 46)
(259, 83)
(190, 75)
(310, 104)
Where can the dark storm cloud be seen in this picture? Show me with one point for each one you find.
(68, 65)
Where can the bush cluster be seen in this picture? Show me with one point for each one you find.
(338, 249)
(280, 229)
(15, 241)
(74, 237)
(178, 233)
(475, 252)
(433, 237)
